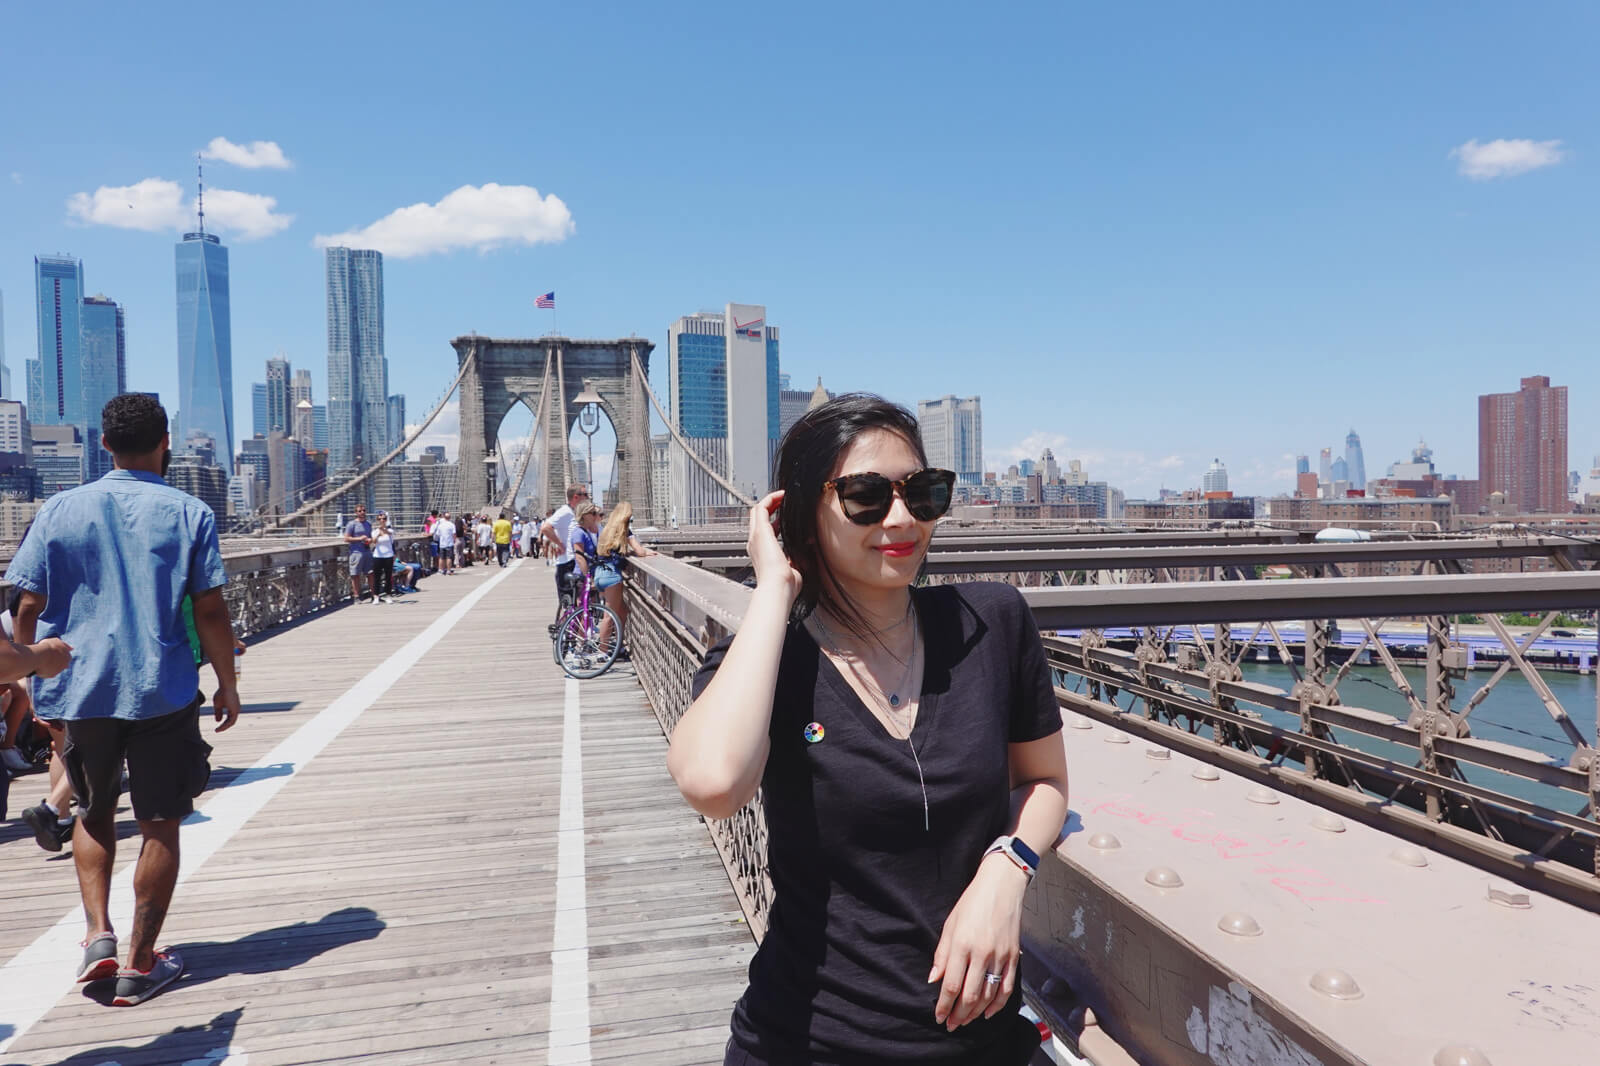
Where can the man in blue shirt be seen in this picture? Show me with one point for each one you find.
(106, 568)
(358, 534)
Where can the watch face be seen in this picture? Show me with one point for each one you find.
(1026, 852)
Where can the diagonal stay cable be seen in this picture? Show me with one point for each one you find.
(366, 475)
(683, 442)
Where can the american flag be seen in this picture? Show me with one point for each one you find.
(547, 300)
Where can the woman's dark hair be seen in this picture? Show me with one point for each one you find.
(806, 458)
(133, 424)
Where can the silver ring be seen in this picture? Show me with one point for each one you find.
(993, 978)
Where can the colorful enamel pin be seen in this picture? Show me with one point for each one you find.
(815, 733)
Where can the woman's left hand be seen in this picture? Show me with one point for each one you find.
(980, 937)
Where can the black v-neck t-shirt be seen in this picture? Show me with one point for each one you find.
(862, 889)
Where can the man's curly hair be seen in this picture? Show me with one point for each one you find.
(133, 424)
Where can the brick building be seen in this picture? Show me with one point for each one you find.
(1522, 446)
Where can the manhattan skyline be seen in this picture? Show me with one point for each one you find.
(1137, 256)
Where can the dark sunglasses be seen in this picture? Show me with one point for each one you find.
(867, 498)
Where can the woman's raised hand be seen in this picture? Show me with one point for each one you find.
(771, 565)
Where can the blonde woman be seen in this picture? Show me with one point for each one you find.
(617, 542)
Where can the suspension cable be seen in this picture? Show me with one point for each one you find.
(527, 454)
(638, 372)
(366, 475)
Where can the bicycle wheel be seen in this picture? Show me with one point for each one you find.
(579, 649)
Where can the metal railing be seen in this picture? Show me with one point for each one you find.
(1191, 695)
(268, 587)
(677, 614)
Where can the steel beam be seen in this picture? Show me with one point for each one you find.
(964, 540)
(1205, 602)
(943, 558)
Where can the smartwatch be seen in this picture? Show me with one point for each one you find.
(1015, 849)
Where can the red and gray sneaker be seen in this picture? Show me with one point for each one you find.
(99, 958)
(135, 986)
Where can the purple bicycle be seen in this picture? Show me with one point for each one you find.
(587, 634)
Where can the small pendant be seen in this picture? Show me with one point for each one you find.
(894, 699)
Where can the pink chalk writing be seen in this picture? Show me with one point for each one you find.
(1194, 825)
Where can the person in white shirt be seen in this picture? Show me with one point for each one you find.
(558, 528)
(383, 559)
(445, 531)
(483, 533)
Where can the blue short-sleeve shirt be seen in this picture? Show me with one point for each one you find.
(357, 528)
(114, 560)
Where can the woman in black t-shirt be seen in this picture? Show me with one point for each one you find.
(907, 745)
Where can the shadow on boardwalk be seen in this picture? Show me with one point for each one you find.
(191, 1045)
(268, 951)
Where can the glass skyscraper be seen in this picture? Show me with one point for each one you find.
(397, 420)
(58, 288)
(103, 375)
(205, 343)
(259, 426)
(952, 433)
(279, 405)
(1355, 463)
(724, 393)
(358, 387)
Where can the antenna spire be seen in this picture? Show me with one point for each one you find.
(200, 197)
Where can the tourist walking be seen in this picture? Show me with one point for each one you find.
(383, 559)
(444, 532)
(107, 568)
(358, 534)
(501, 532)
(428, 527)
(906, 743)
(516, 536)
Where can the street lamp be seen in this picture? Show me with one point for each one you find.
(492, 482)
(589, 423)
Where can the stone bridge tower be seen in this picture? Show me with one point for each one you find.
(508, 372)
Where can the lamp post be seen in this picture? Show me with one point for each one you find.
(490, 461)
(589, 423)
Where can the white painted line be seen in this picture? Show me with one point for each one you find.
(569, 954)
(37, 976)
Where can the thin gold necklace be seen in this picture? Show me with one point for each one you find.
(894, 703)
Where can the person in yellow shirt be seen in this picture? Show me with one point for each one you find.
(502, 537)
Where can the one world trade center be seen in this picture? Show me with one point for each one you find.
(205, 346)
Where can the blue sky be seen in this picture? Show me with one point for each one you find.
(1146, 235)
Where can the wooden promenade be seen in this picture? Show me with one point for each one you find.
(422, 844)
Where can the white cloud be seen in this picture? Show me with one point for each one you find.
(156, 205)
(251, 156)
(248, 215)
(483, 217)
(1505, 159)
(445, 430)
(153, 204)
(16, 178)
(1032, 447)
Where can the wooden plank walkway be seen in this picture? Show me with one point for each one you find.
(395, 898)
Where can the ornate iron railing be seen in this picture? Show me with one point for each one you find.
(676, 616)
